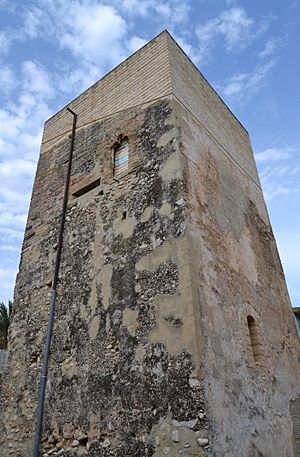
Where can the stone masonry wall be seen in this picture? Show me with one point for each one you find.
(239, 274)
(140, 79)
(123, 376)
(152, 352)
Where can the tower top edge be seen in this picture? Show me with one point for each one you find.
(163, 41)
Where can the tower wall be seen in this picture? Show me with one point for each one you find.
(123, 374)
(154, 351)
(250, 371)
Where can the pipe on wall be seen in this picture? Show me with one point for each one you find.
(42, 392)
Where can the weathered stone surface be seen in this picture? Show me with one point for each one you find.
(151, 352)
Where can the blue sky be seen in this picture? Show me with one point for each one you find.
(52, 50)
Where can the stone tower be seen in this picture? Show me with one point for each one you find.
(173, 334)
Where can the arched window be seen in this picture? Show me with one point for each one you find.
(120, 156)
(255, 340)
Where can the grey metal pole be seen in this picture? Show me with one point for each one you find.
(41, 401)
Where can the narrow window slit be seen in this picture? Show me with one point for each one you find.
(256, 345)
(295, 413)
(83, 190)
(120, 152)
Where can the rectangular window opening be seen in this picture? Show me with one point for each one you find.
(83, 190)
(121, 158)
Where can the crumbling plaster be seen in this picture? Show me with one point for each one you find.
(151, 352)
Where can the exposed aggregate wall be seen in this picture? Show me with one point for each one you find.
(239, 273)
(151, 352)
(122, 377)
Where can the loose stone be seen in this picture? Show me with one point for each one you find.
(202, 441)
(175, 436)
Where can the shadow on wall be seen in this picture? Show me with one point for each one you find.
(295, 413)
(256, 346)
(3, 360)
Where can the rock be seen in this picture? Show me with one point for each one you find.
(75, 443)
(79, 435)
(82, 451)
(186, 424)
(175, 436)
(51, 439)
(105, 443)
(194, 382)
(202, 441)
(68, 431)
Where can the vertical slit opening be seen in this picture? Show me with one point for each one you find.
(295, 413)
(256, 345)
(120, 152)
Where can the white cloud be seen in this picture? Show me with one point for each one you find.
(288, 241)
(272, 192)
(11, 234)
(7, 280)
(36, 80)
(8, 218)
(4, 43)
(271, 47)
(9, 247)
(243, 85)
(20, 123)
(76, 79)
(7, 78)
(174, 12)
(7, 5)
(272, 154)
(234, 26)
(94, 33)
(278, 174)
(34, 20)
(180, 12)
(188, 48)
(17, 168)
(136, 43)
(21, 120)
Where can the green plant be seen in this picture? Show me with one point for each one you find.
(5, 317)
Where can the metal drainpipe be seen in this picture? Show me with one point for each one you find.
(41, 402)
